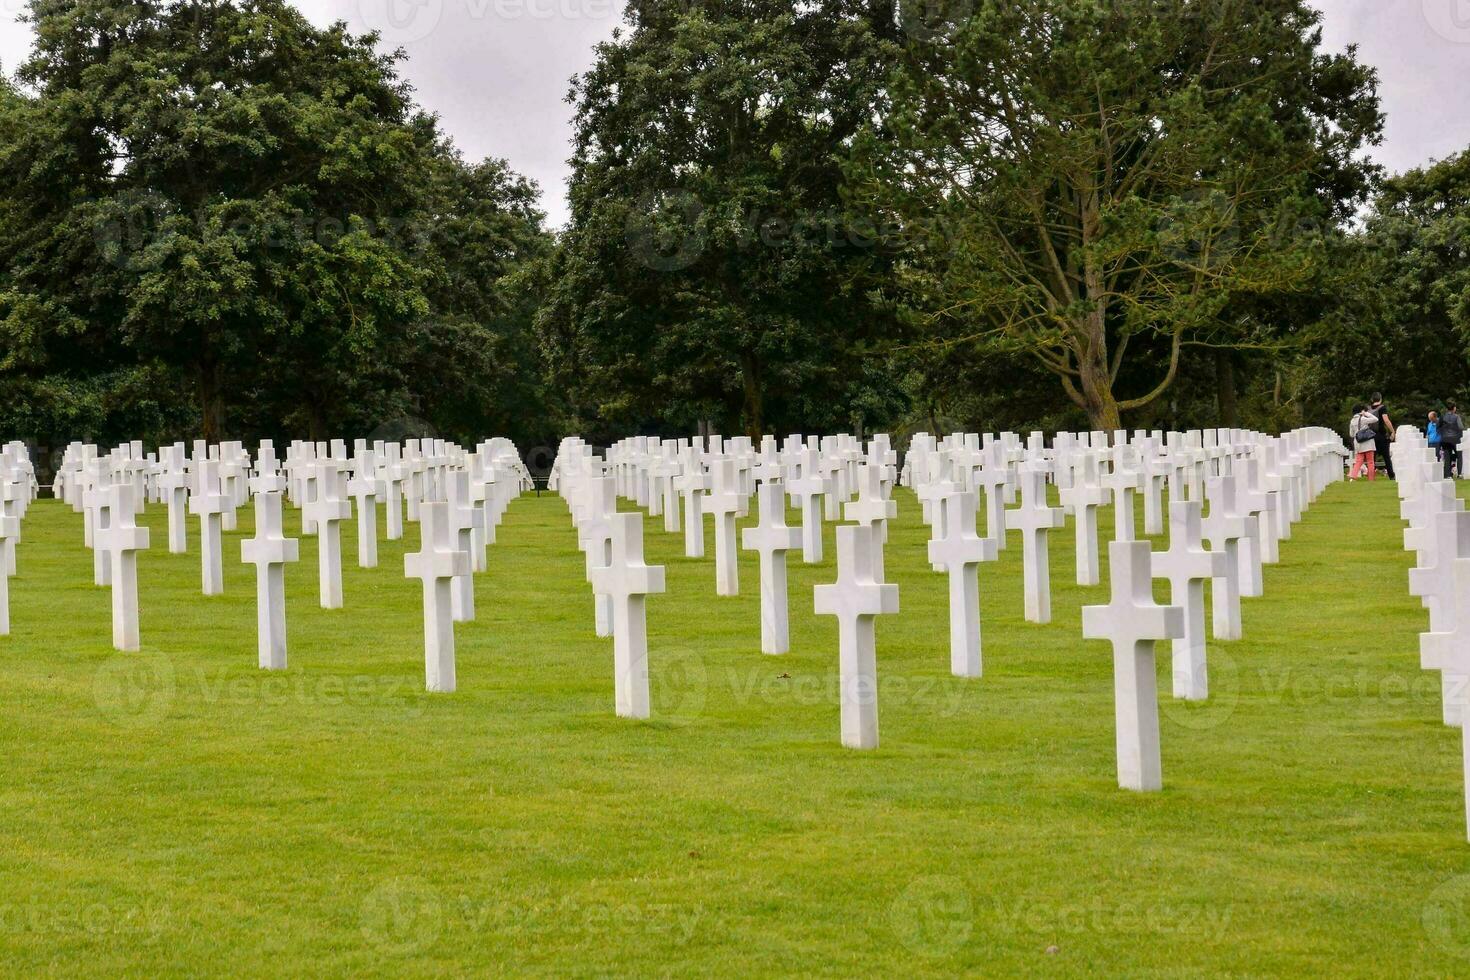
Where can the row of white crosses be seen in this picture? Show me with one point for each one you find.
(17, 489)
(1439, 535)
(469, 490)
(1255, 486)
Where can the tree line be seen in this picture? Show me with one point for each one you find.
(219, 221)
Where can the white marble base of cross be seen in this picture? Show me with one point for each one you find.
(628, 581)
(1188, 566)
(208, 503)
(959, 552)
(123, 539)
(856, 599)
(771, 538)
(1450, 652)
(1035, 520)
(269, 551)
(438, 562)
(1133, 622)
(723, 505)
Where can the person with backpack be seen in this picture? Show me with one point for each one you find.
(1363, 434)
(1431, 433)
(1383, 436)
(1451, 430)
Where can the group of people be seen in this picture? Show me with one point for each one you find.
(1370, 432)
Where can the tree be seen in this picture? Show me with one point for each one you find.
(711, 269)
(1084, 182)
(217, 202)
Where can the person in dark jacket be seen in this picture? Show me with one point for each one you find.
(1451, 431)
(1384, 436)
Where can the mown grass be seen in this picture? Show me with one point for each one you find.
(179, 811)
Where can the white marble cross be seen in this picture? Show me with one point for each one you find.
(995, 477)
(856, 599)
(464, 518)
(628, 582)
(1125, 482)
(269, 551)
(98, 504)
(723, 505)
(1132, 622)
(692, 483)
(772, 539)
(1188, 566)
(1450, 652)
(594, 532)
(1084, 497)
(807, 490)
(365, 489)
(873, 509)
(9, 532)
(1434, 584)
(208, 503)
(1035, 520)
(326, 513)
(437, 563)
(123, 539)
(960, 551)
(1224, 527)
(174, 482)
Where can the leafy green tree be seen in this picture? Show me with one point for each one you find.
(1096, 185)
(711, 268)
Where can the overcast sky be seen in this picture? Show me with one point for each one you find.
(496, 71)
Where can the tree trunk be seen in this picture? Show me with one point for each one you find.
(753, 411)
(1096, 384)
(211, 401)
(1225, 389)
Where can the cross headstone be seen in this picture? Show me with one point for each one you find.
(208, 503)
(1035, 520)
(269, 551)
(327, 512)
(807, 490)
(1224, 527)
(1084, 497)
(772, 539)
(1450, 652)
(856, 599)
(123, 539)
(9, 532)
(692, 484)
(874, 509)
(723, 505)
(1188, 566)
(365, 489)
(437, 563)
(1133, 622)
(960, 551)
(464, 518)
(1434, 584)
(628, 582)
(174, 483)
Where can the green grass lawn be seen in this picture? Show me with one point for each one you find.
(179, 811)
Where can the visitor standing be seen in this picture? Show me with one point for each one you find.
(1363, 433)
(1431, 434)
(1383, 437)
(1451, 431)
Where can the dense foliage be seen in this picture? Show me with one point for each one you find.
(218, 220)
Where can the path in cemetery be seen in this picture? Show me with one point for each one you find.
(335, 817)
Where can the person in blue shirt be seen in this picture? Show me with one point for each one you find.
(1432, 433)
